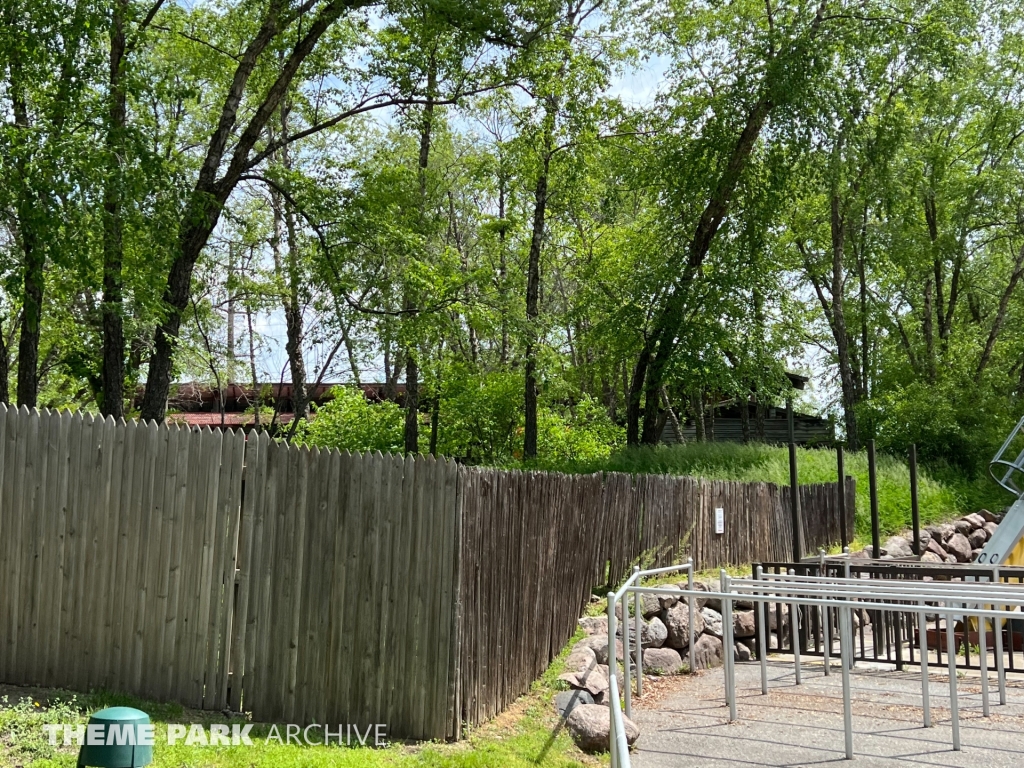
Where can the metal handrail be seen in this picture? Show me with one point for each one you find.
(1017, 465)
(631, 584)
(619, 747)
(954, 600)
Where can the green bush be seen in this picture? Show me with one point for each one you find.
(350, 422)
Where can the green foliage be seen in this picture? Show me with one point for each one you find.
(938, 499)
(349, 422)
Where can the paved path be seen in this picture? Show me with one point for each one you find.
(685, 722)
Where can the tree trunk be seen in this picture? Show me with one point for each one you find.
(744, 404)
(846, 368)
(112, 373)
(412, 369)
(671, 317)
(697, 409)
(5, 370)
(540, 198)
(210, 193)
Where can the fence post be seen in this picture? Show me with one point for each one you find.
(794, 491)
(841, 469)
(876, 544)
(914, 511)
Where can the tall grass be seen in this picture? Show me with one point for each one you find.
(939, 499)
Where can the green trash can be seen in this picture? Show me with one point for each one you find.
(120, 747)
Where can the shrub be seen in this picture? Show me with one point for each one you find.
(350, 422)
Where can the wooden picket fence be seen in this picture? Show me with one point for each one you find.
(308, 586)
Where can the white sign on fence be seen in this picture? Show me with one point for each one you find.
(719, 520)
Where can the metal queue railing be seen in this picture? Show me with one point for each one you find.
(822, 598)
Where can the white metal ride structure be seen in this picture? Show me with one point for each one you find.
(1006, 547)
(991, 602)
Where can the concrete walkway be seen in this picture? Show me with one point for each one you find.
(684, 721)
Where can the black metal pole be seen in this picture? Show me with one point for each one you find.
(841, 469)
(876, 543)
(794, 490)
(915, 512)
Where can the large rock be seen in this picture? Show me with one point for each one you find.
(987, 516)
(662, 661)
(567, 701)
(699, 586)
(963, 526)
(978, 538)
(773, 616)
(654, 634)
(946, 530)
(583, 672)
(590, 727)
(743, 624)
(936, 548)
(959, 547)
(991, 528)
(976, 520)
(712, 621)
(931, 557)
(581, 657)
(677, 621)
(594, 625)
(601, 650)
(707, 652)
(742, 652)
(897, 546)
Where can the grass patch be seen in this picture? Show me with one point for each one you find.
(941, 496)
(528, 735)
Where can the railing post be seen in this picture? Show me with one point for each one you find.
(794, 634)
(922, 642)
(730, 647)
(915, 513)
(845, 625)
(762, 645)
(826, 623)
(954, 707)
(997, 625)
(692, 618)
(637, 622)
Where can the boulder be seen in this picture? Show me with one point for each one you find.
(991, 528)
(773, 616)
(742, 652)
(951, 559)
(649, 605)
(654, 634)
(931, 557)
(976, 520)
(743, 624)
(897, 546)
(715, 603)
(975, 553)
(946, 530)
(959, 547)
(698, 602)
(707, 652)
(581, 658)
(583, 672)
(594, 625)
(987, 516)
(590, 728)
(926, 536)
(963, 526)
(978, 538)
(567, 701)
(712, 621)
(601, 649)
(662, 661)
(591, 642)
(936, 548)
(677, 622)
